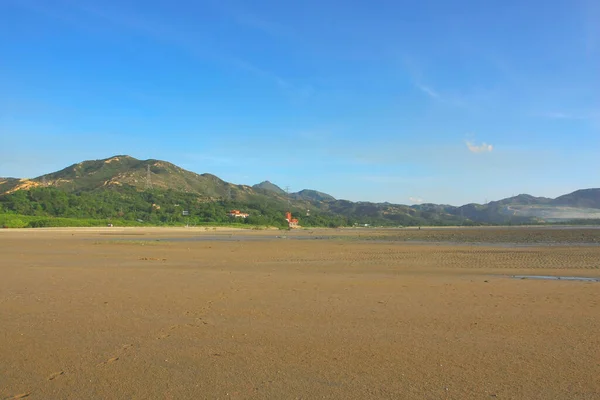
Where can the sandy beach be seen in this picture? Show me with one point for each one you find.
(151, 313)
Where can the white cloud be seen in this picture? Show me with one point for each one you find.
(482, 148)
(429, 91)
(415, 200)
(452, 100)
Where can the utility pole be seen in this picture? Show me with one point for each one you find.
(287, 194)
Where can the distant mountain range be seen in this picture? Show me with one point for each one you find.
(306, 194)
(125, 171)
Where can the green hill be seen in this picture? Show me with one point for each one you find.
(584, 198)
(269, 187)
(155, 191)
(312, 195)
(140, 174)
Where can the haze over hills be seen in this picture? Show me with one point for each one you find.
(124, 173)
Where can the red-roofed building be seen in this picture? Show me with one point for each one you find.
(292, 222)
(238, 214)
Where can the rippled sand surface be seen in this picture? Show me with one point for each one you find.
(133, 314)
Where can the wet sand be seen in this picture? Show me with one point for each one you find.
(133, 314)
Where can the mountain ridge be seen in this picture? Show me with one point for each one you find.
(270, 187)
(121, 171)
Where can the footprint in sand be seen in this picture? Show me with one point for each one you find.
(110, 360)
(55, 375)
(20, 396)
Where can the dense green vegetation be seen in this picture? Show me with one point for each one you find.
(126, 205)
(115, 190)
(49, 206)
(28, 221)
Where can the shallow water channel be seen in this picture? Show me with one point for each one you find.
(556, 278)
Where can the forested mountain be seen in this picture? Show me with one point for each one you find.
(269, 187)
(155, 191)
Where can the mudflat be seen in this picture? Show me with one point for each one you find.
(337, 314)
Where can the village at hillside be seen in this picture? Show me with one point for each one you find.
(292, 222)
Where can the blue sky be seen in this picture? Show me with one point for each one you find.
(400, 101)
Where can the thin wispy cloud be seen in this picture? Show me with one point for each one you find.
(435, 95)
(245, 65)
(416, 200)
(259, 23)
(176, 37)
(212, 160)
(254, 18)
(143, 25)
(563, 115)
(394, 179)
(414, 70)
(429, 91)
(70, 17)
(295, 92)
(481, 148)
(591, 15)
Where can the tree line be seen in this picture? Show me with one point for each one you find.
(155, 207)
